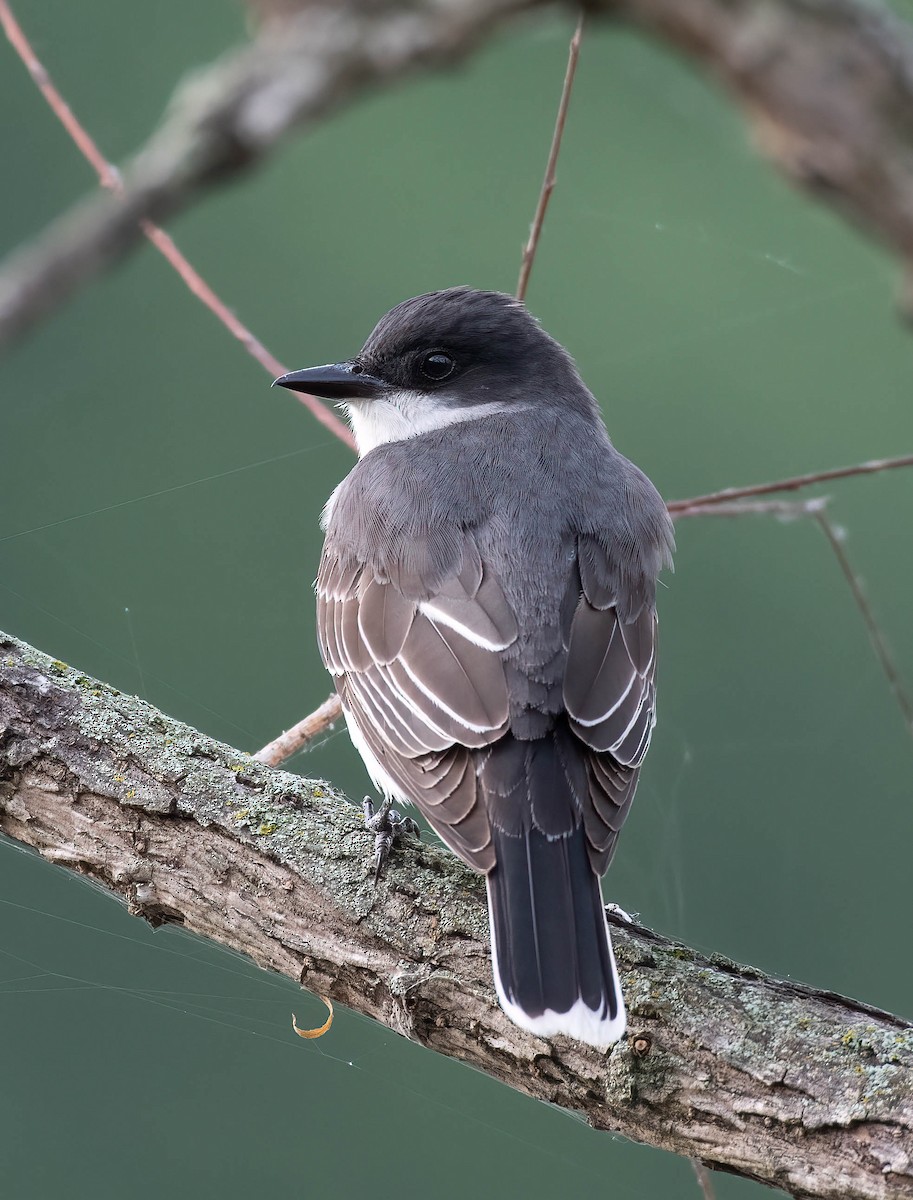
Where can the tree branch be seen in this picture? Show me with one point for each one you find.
(800, 1089)
(827, 88)
(699, 506)
(280, 749)
(551, 166)
(835, 539)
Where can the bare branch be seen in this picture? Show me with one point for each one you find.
(786, 510)
(189, 830)
(290, 742)
(687, 508)
(109, 178)
(835, 538)
(828, 88)
(816, 508)
(548, 181)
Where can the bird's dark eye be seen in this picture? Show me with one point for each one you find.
(437, 365)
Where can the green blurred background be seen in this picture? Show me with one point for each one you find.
(158, 528)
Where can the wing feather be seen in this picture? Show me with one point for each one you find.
(599, 673)
(422, 680)
(609, 693)
(465, 680)
(410, 733)
(609, 684)
(384, 619)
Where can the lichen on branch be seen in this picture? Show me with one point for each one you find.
(800, 1089)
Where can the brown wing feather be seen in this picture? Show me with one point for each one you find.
(423, 683)
(384, 617)
(609, 684)
(610, 797)
(610, 695)
(464, 680)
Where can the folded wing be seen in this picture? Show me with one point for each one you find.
(610, 695)
(424, 687)
(423, 683)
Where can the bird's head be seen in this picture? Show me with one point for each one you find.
(442, 358)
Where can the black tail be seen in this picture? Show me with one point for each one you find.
(552, 957)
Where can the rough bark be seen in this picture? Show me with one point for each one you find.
(826, 85)
(800, 1089)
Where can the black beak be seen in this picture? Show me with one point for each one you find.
(336, 381)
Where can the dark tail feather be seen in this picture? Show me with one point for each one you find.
(552, 957)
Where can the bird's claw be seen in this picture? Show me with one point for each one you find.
(387, 825)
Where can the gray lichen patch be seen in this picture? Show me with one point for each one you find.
(133, 753)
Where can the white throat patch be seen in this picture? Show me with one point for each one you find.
(407, 414)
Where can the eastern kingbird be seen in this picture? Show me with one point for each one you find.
(486, 604)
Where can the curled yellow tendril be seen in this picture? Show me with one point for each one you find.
(321, 1029)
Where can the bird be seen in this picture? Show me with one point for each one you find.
(486, 604)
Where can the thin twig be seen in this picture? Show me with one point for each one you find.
(883, 653)
(286, 744)
(109, 177)
(792, 484)
(548, 183)
(722, 504)
(816, 508)
(786, 510)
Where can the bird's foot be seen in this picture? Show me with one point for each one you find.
(388, 826)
